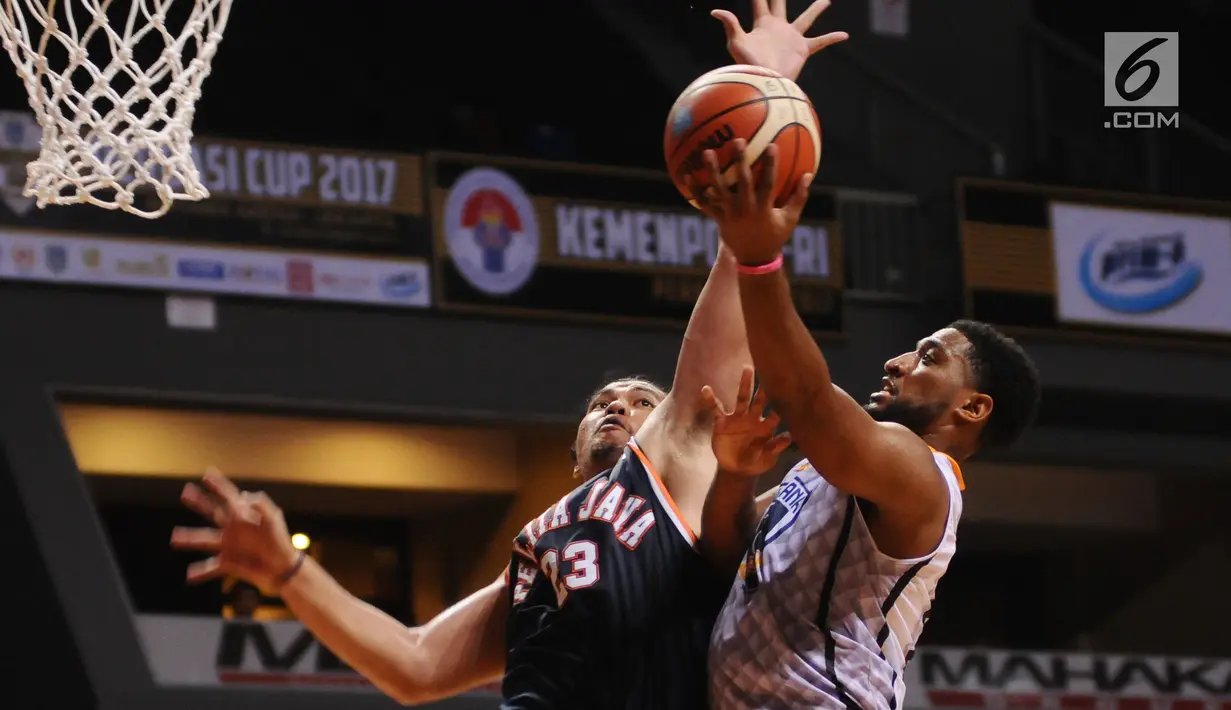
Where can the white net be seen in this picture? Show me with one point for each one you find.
(114, 87)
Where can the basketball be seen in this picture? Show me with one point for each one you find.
(741, 101)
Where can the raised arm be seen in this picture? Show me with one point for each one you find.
(714, 351)
(885, 464)
(460, 649)
(882, 463)
(715, 348)
(675, 437)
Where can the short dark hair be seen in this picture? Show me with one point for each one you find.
(1004, 372)
(616, 380)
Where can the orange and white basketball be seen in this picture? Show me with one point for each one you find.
(741, 101)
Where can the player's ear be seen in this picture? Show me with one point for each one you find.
(976, 408)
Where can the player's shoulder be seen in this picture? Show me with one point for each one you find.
(914, 460)
(905, 445)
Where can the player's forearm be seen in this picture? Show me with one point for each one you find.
(789, 364)
(715, 349)
(728, 520)
(397, 660)
(370, 641)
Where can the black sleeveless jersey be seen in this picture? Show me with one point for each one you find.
(612, 606)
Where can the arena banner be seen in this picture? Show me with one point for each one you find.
(969, 678)
(1096, 263)
(129, 263)
(261, 194)
(1142, 269)
(212, 651)
(553, 240)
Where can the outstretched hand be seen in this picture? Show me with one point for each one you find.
(773, 42)
(745, 441)
(749, 222)
(249, 539)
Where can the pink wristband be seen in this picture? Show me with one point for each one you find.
(769, 268)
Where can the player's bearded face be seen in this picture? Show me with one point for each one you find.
(921, 386)
(615, 414)
(916, 416)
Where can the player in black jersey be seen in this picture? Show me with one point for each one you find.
(607, 603)
(611, 602)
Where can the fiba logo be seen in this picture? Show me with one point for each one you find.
(1141, 275)
(491, 231)
(1141, 70)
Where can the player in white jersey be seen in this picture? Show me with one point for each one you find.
(837, 578)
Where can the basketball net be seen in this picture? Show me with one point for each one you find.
(115, 90)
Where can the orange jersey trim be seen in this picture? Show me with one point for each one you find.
(957, 470)
(666, 494)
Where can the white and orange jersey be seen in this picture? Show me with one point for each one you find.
(819, 617)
